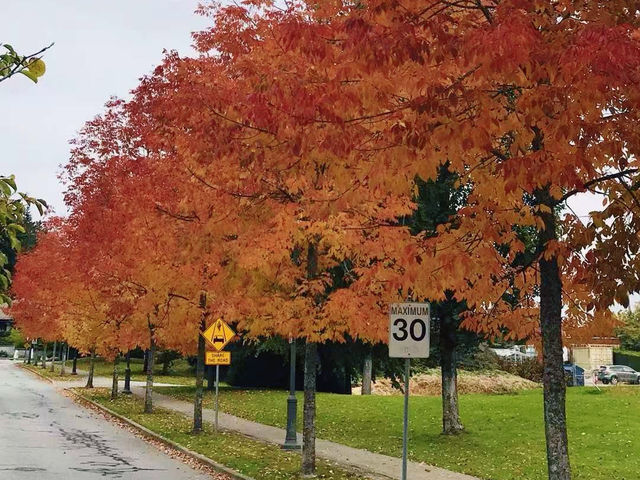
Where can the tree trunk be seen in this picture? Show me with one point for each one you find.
(114, 380)
(44, 355)
(309, 411)
(451, 423)
(63, 364)
(554, 387)
(197, 401)
(367, 373)
(92, 360)
(148, 391)
(53, 357)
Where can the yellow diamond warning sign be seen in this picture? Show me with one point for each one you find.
(218, 334)
(217, 358)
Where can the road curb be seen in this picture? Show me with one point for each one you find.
(36, 373)
(149, 433)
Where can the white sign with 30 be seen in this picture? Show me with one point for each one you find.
(409, 330)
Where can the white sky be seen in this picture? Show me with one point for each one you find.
(101, 49)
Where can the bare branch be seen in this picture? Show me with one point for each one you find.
(590, 183)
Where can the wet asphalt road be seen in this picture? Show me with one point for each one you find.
(44, 435)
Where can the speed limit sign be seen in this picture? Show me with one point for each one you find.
(408, 338)
(409, 330)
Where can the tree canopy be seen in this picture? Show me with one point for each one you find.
(292, 145)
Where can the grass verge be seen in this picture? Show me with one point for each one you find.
(250, 457)
(180, 373)
(55, 375)
(504, 438)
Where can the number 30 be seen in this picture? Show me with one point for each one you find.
(417, 329)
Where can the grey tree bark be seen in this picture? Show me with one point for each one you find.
(114, 379)
(148, 391)
(197, 401)
(309, 410)
(92, 360)
(367, 373)
(44, 355)
(310, 372)
(451, 423)
(554, 387)
(53, 357)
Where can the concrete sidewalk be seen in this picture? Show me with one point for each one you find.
(375, 465)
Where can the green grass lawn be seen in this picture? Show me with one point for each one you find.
(253, 458)
(180, 373)
(504, 438)
(55, 375)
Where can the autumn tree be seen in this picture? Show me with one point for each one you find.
(438, 201)
(507, 108)
(298, 135)
(306, 222)
(117, 183)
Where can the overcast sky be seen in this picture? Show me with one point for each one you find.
(101, 49)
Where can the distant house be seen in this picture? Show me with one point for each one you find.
(598, 351)
(517, 353)
(589, 355)
(6, 322)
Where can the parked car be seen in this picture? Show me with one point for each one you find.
(618, 373)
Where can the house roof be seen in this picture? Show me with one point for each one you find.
(599, 341)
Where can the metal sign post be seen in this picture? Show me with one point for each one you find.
(405, 423)
(217, 383)
(408, 338)
(217, 336)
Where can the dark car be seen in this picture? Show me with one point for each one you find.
(618, 373)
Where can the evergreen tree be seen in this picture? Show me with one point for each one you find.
(438, 201)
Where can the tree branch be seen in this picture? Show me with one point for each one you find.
(19, 66)
(590, 183)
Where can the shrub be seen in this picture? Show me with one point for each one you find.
(529, 368)
(483, 358)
